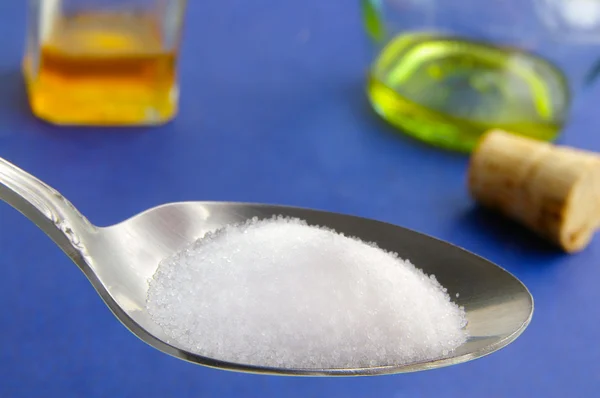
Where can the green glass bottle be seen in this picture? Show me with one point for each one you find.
(447, 90)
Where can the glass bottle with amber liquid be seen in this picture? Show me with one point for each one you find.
(103, 62)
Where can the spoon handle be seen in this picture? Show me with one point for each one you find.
(45, 207)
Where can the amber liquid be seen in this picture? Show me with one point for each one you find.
(103, 69)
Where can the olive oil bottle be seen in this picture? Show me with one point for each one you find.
(448, 91)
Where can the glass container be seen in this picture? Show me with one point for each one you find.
(103, 62)
(447, 71)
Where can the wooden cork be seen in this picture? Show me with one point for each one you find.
(553, 190)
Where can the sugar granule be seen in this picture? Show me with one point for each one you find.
(281, 293)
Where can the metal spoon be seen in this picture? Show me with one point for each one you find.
(120, 259)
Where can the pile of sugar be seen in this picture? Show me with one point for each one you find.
(282, 293)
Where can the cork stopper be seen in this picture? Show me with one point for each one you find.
(553, 190)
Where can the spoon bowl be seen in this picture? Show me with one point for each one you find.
(120, 260)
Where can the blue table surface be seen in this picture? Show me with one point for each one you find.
(272, 110)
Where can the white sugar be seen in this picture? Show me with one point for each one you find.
(285, 294)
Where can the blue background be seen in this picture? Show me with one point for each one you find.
(272, 110)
